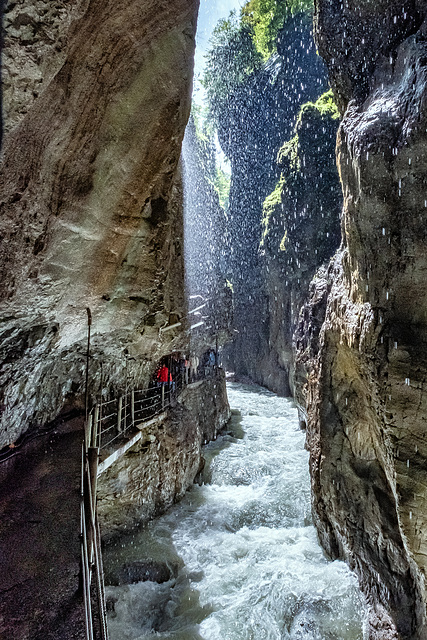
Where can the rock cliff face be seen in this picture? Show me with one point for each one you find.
(367, 319)
(162, 466)
(261, 117)
(301, 232)
(96, 95)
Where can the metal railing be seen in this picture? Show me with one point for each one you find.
(107, 423)
(90, 536)
(113, 419)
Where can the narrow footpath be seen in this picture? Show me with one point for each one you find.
(39, 539)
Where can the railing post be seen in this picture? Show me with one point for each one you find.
(95, 430)
(163, 396)
(86, 577)
(126, 393)
(89, 430)
(132, 406)
(100, 406)
(89, 324)
(100, 583)
(119, 415)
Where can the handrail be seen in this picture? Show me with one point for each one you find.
(91, 555)
(97, 426)
(133, 407)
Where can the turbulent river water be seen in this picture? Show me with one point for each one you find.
(246, 561)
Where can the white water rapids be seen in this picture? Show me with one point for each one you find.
(249, 566)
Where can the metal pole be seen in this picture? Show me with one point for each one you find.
(89, 428)
(163, 395)
(95, 427)
(126, 392)
(93, 456)
(132, 406)
(119, 415)
(100, 583)
(89, 324)
(86, 579)
(100, 407)
(85, 554)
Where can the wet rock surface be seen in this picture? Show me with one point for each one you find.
(96, 99)
(261, 116)
(365, 391)
(301, 231)
(142, 571)
(40, 596)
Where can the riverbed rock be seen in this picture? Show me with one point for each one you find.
(366, 367)
(143, 571)
(96, 96)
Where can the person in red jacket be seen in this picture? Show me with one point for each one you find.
(163, 375)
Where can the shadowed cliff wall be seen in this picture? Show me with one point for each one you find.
(363, 337)
(261, 116)
(301, 232)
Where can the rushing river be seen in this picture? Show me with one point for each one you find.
(247, 562)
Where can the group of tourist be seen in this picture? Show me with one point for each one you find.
(176, 370)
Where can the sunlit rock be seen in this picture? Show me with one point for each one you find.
(96, 97)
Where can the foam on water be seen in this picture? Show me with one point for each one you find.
(251, 567)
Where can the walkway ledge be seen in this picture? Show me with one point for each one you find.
(118, 453)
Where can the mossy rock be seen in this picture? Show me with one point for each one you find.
(301, 216)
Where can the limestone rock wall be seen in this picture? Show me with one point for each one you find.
(367, 318)
(158, 470)
(301, 232)
(96, 96)
(261, 117)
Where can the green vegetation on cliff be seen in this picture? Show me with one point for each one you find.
(301, 211)
(241, 45)
(222, 186)
(231, 60)
(265, 18)
(324, 106)
(204, 134)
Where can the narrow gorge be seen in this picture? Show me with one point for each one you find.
(213, 329)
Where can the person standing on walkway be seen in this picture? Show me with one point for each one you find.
(194, 365)
(164, 377)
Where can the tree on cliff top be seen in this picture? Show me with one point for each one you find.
(265, 18)
(241, 45)
(230, 61)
